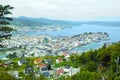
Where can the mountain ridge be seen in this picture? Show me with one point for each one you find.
(27, 21)
(32, 22)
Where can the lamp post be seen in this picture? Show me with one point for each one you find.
(117, 62)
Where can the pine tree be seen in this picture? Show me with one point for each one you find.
(4, 22)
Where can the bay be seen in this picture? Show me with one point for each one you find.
(113, 31)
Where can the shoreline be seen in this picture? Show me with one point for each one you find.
(47, 45)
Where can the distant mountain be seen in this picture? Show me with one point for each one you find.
(31, 22)
(103, 23)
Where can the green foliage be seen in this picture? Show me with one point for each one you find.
(91, 66)
(75, 60)
(6, 29)
(110, 74)
(29, 77)
(4, 21)
(6, 76)
(32, 77)
(42, 78)
(85, 75)
(5, 10)
(117, 78)
(104, 57)
(101, 60)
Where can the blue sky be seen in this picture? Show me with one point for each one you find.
(65, 9)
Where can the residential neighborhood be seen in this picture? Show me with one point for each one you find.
(34, 46)
(48, 67)
(44, 55)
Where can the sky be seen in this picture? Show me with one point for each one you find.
(65, 9)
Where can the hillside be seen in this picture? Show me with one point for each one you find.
(100, 64)
(32, 22)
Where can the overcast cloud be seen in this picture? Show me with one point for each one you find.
(65, 9)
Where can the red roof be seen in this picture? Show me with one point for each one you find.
(37, 61)
(59, 59)
(42, 65)
(60, 71)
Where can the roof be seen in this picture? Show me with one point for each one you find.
(64, 53)
(67, 67)
(46, 74)
(59, 59)
(29, 69)
(44, 69)
(22, 61)
(42, 65)
(37, 61)
(60, 71)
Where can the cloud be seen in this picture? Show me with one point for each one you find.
(65, 9)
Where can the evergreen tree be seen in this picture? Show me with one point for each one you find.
(4, 22)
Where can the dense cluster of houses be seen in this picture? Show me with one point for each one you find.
(40, 66)
(44, 44)
(40, 46)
